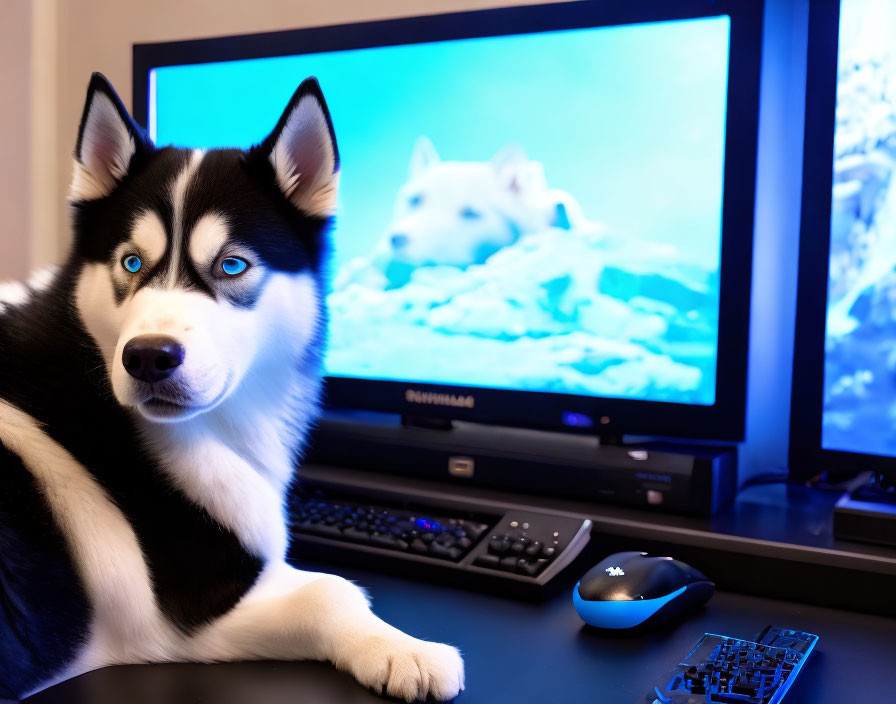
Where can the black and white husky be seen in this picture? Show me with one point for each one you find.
(154, 394)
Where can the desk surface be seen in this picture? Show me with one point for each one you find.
(522, 652)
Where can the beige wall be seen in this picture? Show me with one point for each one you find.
(97, 35)
(15, 133)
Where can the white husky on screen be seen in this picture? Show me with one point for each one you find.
(459, 213)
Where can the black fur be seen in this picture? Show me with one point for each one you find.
(44, 612)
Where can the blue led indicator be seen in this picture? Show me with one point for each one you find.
(577, 420)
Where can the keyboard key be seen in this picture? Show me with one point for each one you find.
(535, 548)
(383, 540)
(498, 545)
(438, 550)
(354, 534)
(418, 546)
(487, 560)
(446, 539)
(508, 564)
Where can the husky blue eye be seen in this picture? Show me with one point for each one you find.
(415, 200)
(470, 214)
(132, 263)
(234, 265)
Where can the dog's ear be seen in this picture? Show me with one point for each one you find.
(108, 140)
(516, 173)
(423, 156)
(303, 153)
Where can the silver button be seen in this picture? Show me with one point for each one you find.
(461, 467)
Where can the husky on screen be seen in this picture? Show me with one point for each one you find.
(459, 213)
(155, 393)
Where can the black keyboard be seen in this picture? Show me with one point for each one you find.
(728, 670)
(523, 550)
(393, 529)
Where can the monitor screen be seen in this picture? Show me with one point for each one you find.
(859, 408)
(532, 212)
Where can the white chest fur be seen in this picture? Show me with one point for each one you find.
(237, 460)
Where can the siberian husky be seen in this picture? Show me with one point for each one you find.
(155, 392)
(459, 213)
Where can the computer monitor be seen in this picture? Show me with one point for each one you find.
(843, 415)
(545, 212)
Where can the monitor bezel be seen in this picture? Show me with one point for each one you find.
(807, 457)
(724, 419)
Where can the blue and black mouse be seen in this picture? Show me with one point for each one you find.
(632, 590)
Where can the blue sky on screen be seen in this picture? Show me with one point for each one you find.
(630, 120)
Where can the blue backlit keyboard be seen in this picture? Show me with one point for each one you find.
(723, 670)
(515, 551)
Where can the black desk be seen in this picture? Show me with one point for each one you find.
(522, 652)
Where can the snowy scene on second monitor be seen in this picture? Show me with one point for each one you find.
(860, 344)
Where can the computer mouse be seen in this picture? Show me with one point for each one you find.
(634, 590)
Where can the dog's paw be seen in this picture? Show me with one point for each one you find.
(408, 668)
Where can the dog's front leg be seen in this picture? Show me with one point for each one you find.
(293, 615)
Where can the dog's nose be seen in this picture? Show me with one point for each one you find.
(399, 241)
(152, 358)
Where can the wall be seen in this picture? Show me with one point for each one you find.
(15, 154)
